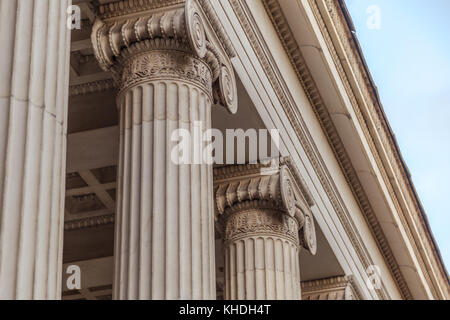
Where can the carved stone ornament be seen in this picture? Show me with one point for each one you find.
(308, 234)
(163, 65)
(335, 288)
(195, 30)
(255, 222)
(186, 29)
(274, 186)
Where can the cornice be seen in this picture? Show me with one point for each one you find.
(305, 77)
(386, 150)
(288, 104)
(374, 124)
(298, 62)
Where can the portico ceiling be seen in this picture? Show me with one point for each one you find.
(92, 161)
(85, 73)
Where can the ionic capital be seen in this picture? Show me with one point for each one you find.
(188, 27)
(336, 288)
(272, 185)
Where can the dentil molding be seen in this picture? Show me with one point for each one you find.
(289, 106)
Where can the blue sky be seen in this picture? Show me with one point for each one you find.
(409, 58)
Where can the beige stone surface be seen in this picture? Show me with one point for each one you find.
(33, 113)
(308, 225)
(164, 237)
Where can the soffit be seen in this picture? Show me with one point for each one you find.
(346, 135)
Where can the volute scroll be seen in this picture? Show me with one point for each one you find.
(184, 27)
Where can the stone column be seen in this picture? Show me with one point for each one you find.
(170, 67)
(335, 288)
(261, 209)
(33, 112)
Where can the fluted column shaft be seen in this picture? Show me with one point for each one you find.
(170, 61)
(33, 110)
(165, 222)
(261, 254)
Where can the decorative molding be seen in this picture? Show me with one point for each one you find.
(242, 191)
(85, 75)
(351, 175)
(299, 64)
(90, 222)
(255, 219)
(91, 87)
(298, 124)
(153, 65)
(374, 124)
(292, 49)
(218, 28)
(336, 288)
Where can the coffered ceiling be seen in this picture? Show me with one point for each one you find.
(85, 73)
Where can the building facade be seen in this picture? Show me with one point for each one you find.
(101, 197)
